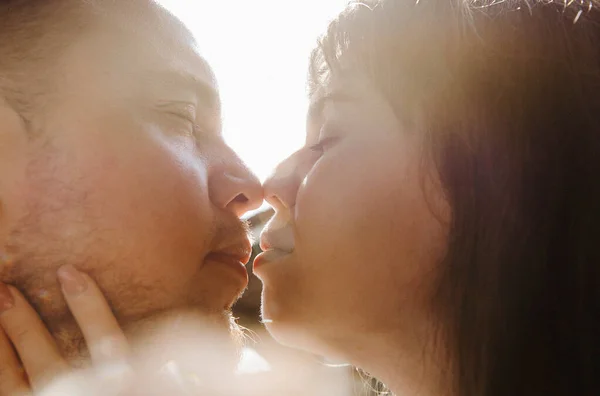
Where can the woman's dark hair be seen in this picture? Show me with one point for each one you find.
(507, 97)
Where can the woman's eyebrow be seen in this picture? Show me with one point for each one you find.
(318, 102)
(317, 107)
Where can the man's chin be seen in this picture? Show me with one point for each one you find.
(205, 344)
(200, 344)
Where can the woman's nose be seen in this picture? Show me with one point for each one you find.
(281, 187)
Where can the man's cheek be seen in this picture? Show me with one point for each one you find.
(165, 168)
(153, 183)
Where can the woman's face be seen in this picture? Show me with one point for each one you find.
(358, 231)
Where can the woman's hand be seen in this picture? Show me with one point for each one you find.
(29, 357)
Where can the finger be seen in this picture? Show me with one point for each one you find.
(105, 339)
(12, 378)
(32, 341)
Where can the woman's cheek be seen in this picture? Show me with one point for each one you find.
(356, 192)
(331, 204)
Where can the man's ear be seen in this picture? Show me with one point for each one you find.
(13, 164)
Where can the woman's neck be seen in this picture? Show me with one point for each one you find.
(407, 368)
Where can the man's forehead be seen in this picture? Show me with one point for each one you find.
(152, 30)
(120, 55)
(193, 66)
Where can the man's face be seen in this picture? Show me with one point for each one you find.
(128, 180)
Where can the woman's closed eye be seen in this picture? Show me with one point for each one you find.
(323, 144)
(329, 135)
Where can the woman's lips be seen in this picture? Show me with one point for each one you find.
(276, 240)
(277, 234)
(268, 256)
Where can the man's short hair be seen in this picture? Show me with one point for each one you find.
(33, 36)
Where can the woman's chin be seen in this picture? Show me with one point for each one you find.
(297, 334)
(281, 323)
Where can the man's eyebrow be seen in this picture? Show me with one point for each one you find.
(208, 96)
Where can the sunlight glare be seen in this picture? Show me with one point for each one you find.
(259, 51)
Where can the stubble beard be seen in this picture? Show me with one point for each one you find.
(202, 340)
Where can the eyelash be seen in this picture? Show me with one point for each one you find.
(322, 144)
(195, 129)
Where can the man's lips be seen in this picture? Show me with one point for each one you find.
(230, 262)
(241, 250)
(235, 256)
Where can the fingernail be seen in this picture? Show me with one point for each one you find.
(6, 299)
(71, 280)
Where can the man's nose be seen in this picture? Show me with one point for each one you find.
(233, 187)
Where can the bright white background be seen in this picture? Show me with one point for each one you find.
(259, 51)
